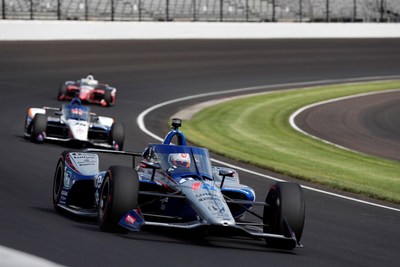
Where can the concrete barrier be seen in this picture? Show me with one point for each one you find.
(14, 30)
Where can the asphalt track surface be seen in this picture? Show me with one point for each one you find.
(338, 232)
(374, 118)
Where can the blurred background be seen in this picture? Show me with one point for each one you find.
(204, 10)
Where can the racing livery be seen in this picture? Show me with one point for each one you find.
(176, 186)
(89, 90)
(73, 123)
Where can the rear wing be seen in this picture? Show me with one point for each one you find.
(115, 152)
(52, 108)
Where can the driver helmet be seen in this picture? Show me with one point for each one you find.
(179, 159)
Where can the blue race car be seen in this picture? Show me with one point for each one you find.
(176, 186)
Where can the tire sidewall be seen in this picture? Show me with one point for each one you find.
(285, 201)
(58, 183)
(119, 193)
(117, 135)
(107, 97)
(39, 125)
(62, 91)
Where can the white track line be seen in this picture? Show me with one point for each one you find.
(142, 115)
(292, 117)
(14, 258)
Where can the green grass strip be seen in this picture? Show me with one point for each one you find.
(256, 130)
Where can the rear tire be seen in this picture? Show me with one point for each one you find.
(117, 135)
(285, 202)
(118, 195)
(39, 125)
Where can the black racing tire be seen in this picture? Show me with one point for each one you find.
(117, 135)
(58, 184)
(107, 97)
(27, 126)
(39, 125)
(62, 91)
(118, 195)
(285, 201)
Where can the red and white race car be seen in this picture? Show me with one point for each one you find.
(88, 90)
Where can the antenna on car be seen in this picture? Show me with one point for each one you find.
(176, 123)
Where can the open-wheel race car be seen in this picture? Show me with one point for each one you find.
(73, 123)
(89, 90)
(176, 186)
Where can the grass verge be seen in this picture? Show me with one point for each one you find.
(256, 130)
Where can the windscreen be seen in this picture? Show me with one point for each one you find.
(88, 82)
(76, 112)
(184, 160)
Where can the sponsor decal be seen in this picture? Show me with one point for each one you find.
(213, 208)
(67, 179)
(181, 181)
(163, 204)
(196, 186)
(204, 196)
(130, 219)
(219, 212)
(68, 161)
(208, 187)
(98, 180)
(77, 111)
(84, 159)
(79, 130)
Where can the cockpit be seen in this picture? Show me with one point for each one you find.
(181, 161)
(75, 111)
(88, 81)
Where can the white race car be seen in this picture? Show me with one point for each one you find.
(75, 123)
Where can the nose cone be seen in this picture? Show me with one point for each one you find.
(79, 130)
(230, 222)
(84, 92)
(209, 203)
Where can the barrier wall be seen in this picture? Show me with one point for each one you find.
(11, 30)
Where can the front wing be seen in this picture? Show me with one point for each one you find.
(134, 220)
(88, 143)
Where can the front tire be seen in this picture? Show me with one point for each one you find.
(62, 91)
(58, 184)
(108, 98)
(286, 205)
(118, 195)
(39, 125)
(117, 136)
